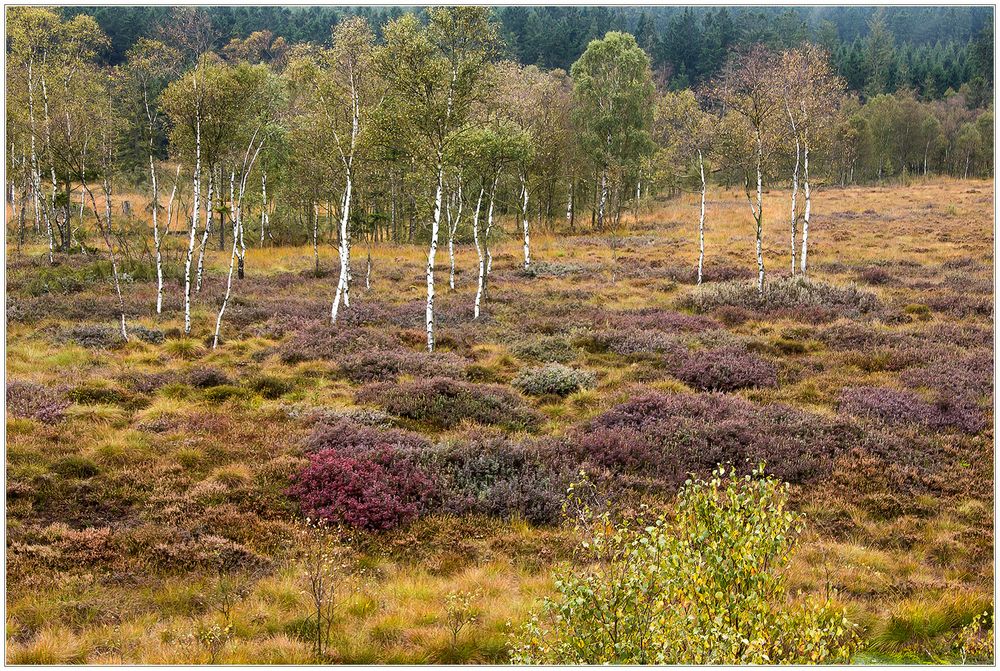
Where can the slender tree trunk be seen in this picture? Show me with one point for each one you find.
(803, 257)
(158, 242)
(232, 259)
(343, 282)
(524, 219)
(701, 220)
(207, 231)
(432, 253)
(315, 213)
(452, 228)
(263, 207)
(196, 199)
(603, 199)
(479, 253)
(368, 269)
(36, 187)
(795, 193)
(156, 233)
(569, 206)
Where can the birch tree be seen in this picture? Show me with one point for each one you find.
(812, 95)
(149, 64)
(684, 133)
(613, 96)
(434, 76)
(748, 90)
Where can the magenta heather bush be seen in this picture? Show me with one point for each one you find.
(970, 375)
(362, 476)
(33, 401)
(444, 403)
(377, 490)
(726, 369)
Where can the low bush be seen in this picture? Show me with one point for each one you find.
(223, 392)
(726, 369)
(546, 349)
(203, 378)
(659, 439)
(362, 477)
(324, 342)
(553, 379)
(443, 403)
(783, 293)
(34, 401)
(75, 466)
(655, 318)
(702, 584)
(387, 366)
(99, 392)
(270, 386)
(491, 475)
(647, 342)
(95, 336)
(895, 407)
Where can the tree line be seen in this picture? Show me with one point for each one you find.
(875, 50)
(423, 132)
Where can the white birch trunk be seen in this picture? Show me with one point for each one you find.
(452, 229)
(701, 220)
(208, 230)
(795, 193)
(524, 217)
(569, 206)
(432, 253)
(343, 283)
(232, 263)
(803, 257)
(196, 186)
(158, 241)
(479, 252)
(263, 208)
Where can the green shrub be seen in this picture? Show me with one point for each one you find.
(270, 386)
(75, 466)
(224, 392)
(701, 586)
(553, 379)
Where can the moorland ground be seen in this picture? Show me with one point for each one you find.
(149, 516)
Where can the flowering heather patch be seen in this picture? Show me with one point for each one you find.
(783, 293)
(208, 376)
(667, 437)
(970, 375)
(553, 379)
(95, 336)
(726, 369)
(444, 403)
(547, 349)
(894, 407)
(389, 365)
(492, 475)
(655, 318)
(851, 335)
(332, 343)
(876, 276)
(378, 490)
(362, 476)
(630, 342)
(34, 401)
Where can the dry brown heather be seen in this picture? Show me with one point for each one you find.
(151, 488)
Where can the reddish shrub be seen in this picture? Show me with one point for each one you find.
(378, 490)
(726, 369)
(444, 403)
(33, 401)
(655, 318)
(323, 341)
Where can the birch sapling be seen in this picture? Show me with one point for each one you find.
(209, 210)
(479, 252)
(196, 200)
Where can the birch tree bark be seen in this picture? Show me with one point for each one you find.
(701, 219)
(208, 230)
(795, 185)
(479, 253)
(803, 260)
(196, 199)
(432, 252)
(524, 218)
(452, 228)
